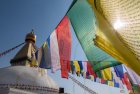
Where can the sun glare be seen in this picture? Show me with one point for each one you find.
(118, 24)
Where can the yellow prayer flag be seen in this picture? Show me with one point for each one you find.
(110, 83)
(106, 73)
(108, 40)
(92, 77)
(77, 67)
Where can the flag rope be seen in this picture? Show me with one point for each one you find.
(9, 50)
(82, 85)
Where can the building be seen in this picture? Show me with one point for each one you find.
(24, 76)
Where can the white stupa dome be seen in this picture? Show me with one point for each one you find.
(27, 77)
(24, 75)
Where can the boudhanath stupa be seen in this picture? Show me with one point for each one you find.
(24, 76)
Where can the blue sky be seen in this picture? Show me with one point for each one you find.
(18, 17)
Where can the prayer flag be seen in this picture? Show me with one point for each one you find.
(39, 55)
(84, 24)
(90, 70)
(126, 81)
(72, 67)
(84, 63)
(46, 59)
(107, 38)
(64, 39)
(77, 67)
(81, 66)
(110, 83)
(106, 73)
(119, 71)
(135, 79)
(55, 59)
(64, 70)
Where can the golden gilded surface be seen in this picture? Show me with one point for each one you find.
(125, 15)
(31, 37)
(118, 30)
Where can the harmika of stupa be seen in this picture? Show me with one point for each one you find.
(24, 76)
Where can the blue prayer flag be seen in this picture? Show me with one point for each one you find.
(119, 71)
(48, 40)
(81, 66)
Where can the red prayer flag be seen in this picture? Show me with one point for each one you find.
(68, 66)
(64, 45)
(126, 81)
(90, 70)
(103, 81)
(64, 39)
(64, 69)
